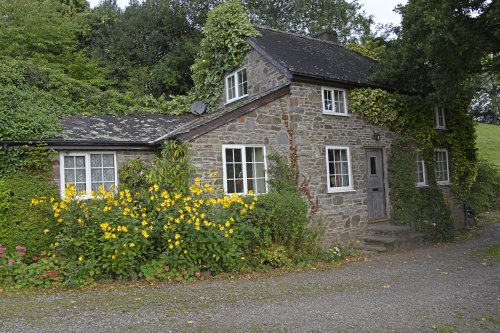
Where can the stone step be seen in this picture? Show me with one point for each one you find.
(371, 248)
(388, 230)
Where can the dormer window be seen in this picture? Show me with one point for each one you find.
(236, 85)
(334, 101)
(440, 122)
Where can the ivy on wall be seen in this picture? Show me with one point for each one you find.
(223, 48)
(413, 117)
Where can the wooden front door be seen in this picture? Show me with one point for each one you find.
(375, 183)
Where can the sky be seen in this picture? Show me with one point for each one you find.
(380, 9)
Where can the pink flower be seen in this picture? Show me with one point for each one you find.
(21, 248)
(10, 262)
(35, 259)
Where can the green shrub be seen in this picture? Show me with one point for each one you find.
(133, 175)
(434, 216)
(172, 169)
(123, 235)
(21, 223)
(485, 189)
(280, 218)
(283, 176)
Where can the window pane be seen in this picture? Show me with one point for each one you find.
(109, 186)
(250, 170)
(231, 87)
(345, 180)
(238, 171)
(260, 170)
(108, 175)
(80, 188)
(327, 100)
(261, 186)
(239, 186)
(242, 83)
(230, 171)
(96, 175)
(80, 175)
(250, 185)
(69, 161)
(237, 155)
(373, 165)
(108, 160)
(95, 160)
(80, 161)
(69, 176)
(231, 187)
(250, 154)
(259, 154)
(229, 155)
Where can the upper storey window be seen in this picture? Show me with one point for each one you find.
(440, 122)
(334, 101)
(236, 85)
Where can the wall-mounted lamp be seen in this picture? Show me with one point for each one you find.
(376, 135)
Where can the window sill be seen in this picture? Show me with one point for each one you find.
(337, 114)
(235, 99)
(341, 190)
(443, 183)
(421, 185)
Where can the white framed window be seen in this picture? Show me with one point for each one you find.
(440, 119)
(338, 169)
(244, 169)
(441, 166)
(87, 171)
(236, 85)
(334, 101)
(421, 177)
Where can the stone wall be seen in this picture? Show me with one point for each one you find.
(122, 157)
(261, 75)
(345, 213)
(264, 126)
(298, 120)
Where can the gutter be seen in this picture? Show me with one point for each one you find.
(60, 144)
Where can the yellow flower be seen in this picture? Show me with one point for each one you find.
(185, 251)
(144, 222)
(56, 244)
(171, 246)
(45, 231)
(177, 236)
(80, 258)
(230, 231)
(228, 224)
(131, 245)
(145, 234)
(113, 257)
(177, 243)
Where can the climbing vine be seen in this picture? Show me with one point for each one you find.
(413, 117)
(223, 49)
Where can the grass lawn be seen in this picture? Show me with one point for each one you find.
(488, 143)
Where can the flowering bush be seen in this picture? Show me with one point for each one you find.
(155, 232)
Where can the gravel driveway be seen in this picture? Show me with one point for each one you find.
(446, 288)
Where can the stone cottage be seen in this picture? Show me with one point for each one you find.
(289, 96)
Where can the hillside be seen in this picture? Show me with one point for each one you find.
(488, 143)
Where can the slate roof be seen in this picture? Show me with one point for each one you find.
(314, 58)
(130, 128)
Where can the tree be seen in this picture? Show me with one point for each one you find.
(147, 48)
(442, 46)
(310, 16)
(485, 106)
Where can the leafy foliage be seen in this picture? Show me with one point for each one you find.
(485, 188)
(21, 223)
(308, 17)
(172, 169)
(442, 45)
(222, 50)
(424, 209)
(283, 176)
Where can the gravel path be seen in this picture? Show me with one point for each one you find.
(446, 288)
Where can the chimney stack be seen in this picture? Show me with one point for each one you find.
(327, 34)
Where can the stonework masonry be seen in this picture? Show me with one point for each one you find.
(297, 119)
